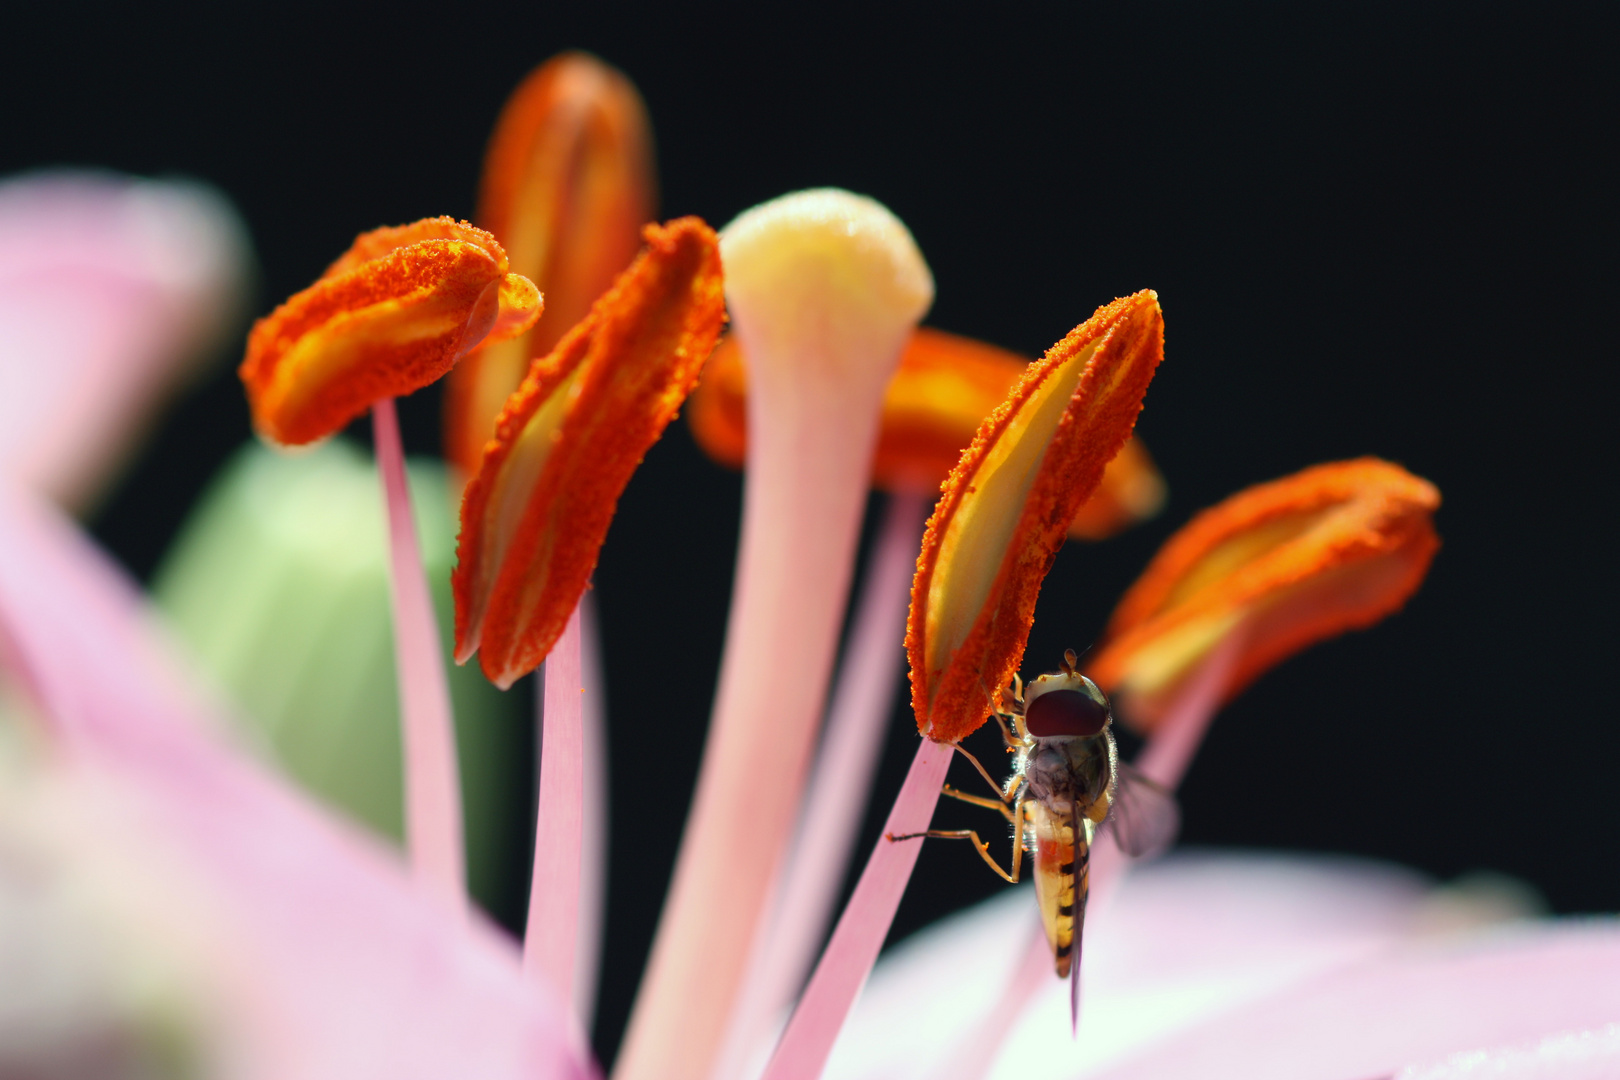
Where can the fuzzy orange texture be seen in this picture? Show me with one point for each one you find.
(955, 700)
(641, 348)
(567, 184)
(945, 386)
(1350, 542)
(298, 394)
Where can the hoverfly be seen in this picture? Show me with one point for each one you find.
(1067, 783)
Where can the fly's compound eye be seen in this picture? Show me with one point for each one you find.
(1064, 712)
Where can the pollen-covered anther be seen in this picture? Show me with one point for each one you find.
(567, 186)
(392, 314)
(534, 517)
(945, 386)
(1287, 564)
(1007, 505)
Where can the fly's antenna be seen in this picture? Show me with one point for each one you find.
(1069, 660)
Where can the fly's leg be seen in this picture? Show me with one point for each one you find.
(1016, 814)
(979, 800)
(1006, 795)
(979, 845)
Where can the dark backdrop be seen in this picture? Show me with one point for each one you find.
(1375, 229)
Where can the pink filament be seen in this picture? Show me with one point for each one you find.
(594, 829)
(548, 942)
(432, 784)
(844, 966)
(806, 889)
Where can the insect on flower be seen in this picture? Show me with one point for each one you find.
(1067, 783)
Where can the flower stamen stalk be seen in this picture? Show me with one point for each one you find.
(843, 968)
(432, 784)
(807, 887)
(551, 933)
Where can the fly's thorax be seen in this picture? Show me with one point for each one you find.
(1062, 770)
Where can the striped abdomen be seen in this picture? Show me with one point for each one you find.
(1062, 854)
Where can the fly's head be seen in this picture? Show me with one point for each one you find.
(1065, 719)
(1065, 704)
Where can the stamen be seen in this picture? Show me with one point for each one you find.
(987, 548)
(1332, 548)
(567, 185)
(534, 517)
(391, 315)
(432, 783)
(553, 925)
(1004, 511)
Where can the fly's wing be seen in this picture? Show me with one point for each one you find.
(1144, 817)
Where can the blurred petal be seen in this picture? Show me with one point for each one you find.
(567, 186)
(1419, 1001)
(1007, 505)
(278, 586)
(347, 967)
(1186, 943)
(111, 290)
(392, 314)
(1333, 548)
(1569, 1055)
(533, 519)
(945, 387)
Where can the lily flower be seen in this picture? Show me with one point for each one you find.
(945, 386)
(303, 949)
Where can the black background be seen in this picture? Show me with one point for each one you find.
(1374, 229)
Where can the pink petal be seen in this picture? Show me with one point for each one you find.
(355, 971)
(110, 290)
(1417, 1001)
(1569, 1055)
(1187, 942)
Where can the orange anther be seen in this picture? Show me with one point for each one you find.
(1333, 548)
(1006, 507)
(945, 387)
(392, 314)
(534, 517)
(567, 185)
